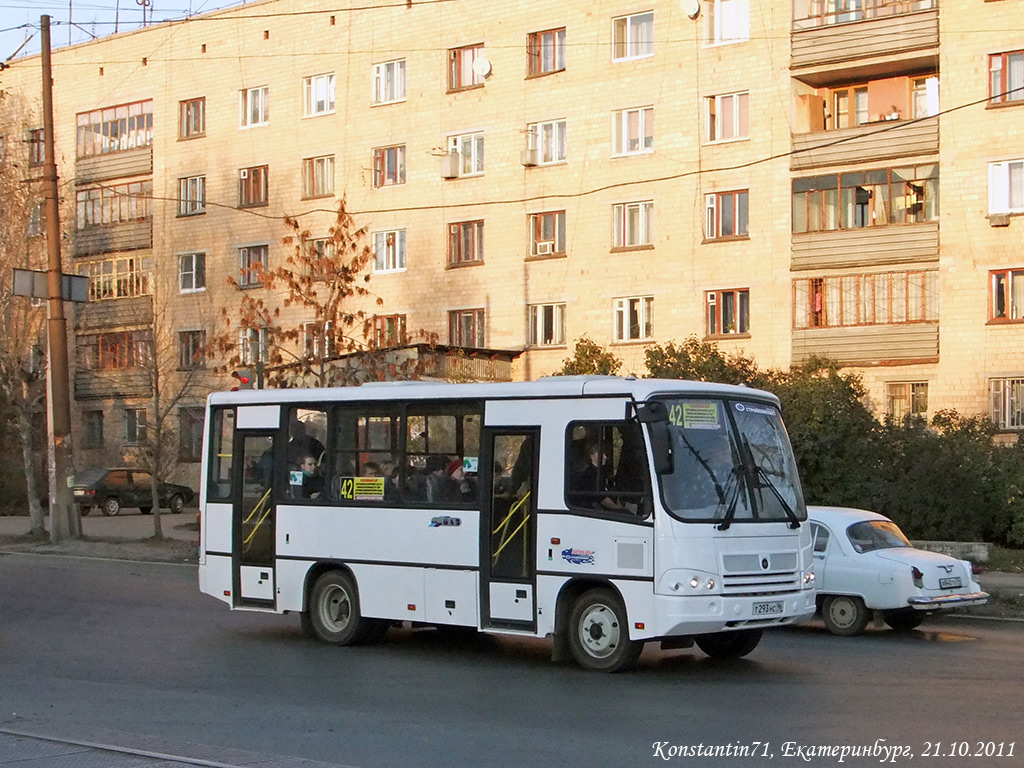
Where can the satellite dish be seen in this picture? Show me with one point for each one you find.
(482, 67)
(691, 8)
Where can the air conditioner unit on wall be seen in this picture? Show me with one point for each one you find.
(450, 166)
(545, 248)
(530, 157)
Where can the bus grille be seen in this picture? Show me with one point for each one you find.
(747, 575)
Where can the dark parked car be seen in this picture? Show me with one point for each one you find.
(113, 489)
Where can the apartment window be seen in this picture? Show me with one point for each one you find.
(887, 298)
(319, 254)
(317, 95)
(252, 187)
(191, 272)
(389, 81)
(728, 312)
(547, 325)
(389, 166)
(726, 214)
(466, 328)
(849, 107)
(1008, 403)
(470, 147)
(866, 199)
(547, 140)
(631, 227)
(728, 21)
(634, 318)
(389, 330)
(906, 398)
(37, 218)
(318, 340)
(546, 51)
(117, 278)
(253, 345)
(113, 204)
(465, 242)
(318, 176)
(463, 70)
(1007, 295)
(191, 195)
(92, 429)
(36, 147)
(113, 351)
(190, 434)
(728, 117)
(633, 36)
(191, 350)
(924, 97)
(254, 106)
(547, 233)
(191, 118)
(115, 129)
(633, 131)
(252, 263)
(389, 250)
(134, 426)
(1006, 77)
(1006, 187)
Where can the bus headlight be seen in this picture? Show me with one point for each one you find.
(711, 584)
(809, 578)
(694, 582)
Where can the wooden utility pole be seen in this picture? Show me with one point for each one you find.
(63, 521)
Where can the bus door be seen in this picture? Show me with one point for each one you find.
(508, 570)
(254, 518)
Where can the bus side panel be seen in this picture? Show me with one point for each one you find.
(548, 587)
(390, 592)
(291, 580)
(594, 546)
(452, 597)
(215, 577)
(216, 536)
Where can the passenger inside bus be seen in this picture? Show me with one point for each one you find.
(312, 482)
(455, 486)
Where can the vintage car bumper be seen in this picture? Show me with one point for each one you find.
(947, 601)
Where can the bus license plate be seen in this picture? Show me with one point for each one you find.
(949, 583)
(767, 609)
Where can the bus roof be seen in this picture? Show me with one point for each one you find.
(547, 387)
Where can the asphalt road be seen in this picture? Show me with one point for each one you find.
(100, 651)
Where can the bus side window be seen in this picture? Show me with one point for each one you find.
(606, 468)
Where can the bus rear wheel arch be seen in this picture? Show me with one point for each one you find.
(598, 632)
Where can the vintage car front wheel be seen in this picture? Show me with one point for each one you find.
(844, 615)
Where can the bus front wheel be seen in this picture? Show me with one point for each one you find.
(333, 610)
(599, 633)
(729, 645)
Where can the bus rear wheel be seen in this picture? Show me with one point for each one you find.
(599, 633)
(729, 645)
(333, 610)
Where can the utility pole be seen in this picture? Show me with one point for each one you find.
(63, 523)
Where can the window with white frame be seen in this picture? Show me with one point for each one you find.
(389, 166)
(1008, 403)
(318, 95)
(546, 51)
(318, 176)
(253, 187)
(547, 233)
(728, 312)
(631, 225)
(728, 116)
(253, 345)
(727, 21)
(115, 129)
(192, 118)
(318, 340)
(633, 131)
(633, 36)
(465, 242)
(727, 214)
(470, 147)
(1007, 303)
(191, 195)
(906, 398)
(191, 272)
(191, 350)
(252, 263)
(461, 70)
(118, 278)
(634, 318)
(389, 250)
(389, 81)
(547, 325)
(254, 106)
(1006, 187)
(547, 141)
(466, 328)
(1006, 77)
(113, 204)
(134, 426)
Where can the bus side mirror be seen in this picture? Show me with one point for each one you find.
(652, 412)
(661, 447)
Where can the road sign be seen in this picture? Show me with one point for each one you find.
(32, 283)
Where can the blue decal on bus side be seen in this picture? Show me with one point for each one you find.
(578, 556)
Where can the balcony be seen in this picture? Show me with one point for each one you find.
(110, 238)
(115, 165)
(866, 247)
(866, 143)
(97, 315)
(831, 31)
(869, 344)
(121, 384)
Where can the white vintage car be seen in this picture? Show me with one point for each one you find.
(863, 563)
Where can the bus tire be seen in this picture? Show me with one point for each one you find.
(333, 610)
(729, 645)
(844, 615)
(599, 633)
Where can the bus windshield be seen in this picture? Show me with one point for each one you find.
(731, 462)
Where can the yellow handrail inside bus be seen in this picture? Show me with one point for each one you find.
(511, 512)
(507, 537)
(511, 536)
(259, 504)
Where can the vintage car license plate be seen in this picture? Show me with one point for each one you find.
(952, 581)
(767, 609)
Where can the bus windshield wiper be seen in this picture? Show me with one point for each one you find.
(794, 521)
(730, 513)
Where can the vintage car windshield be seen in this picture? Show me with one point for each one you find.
(869, 535)
(731, 462)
